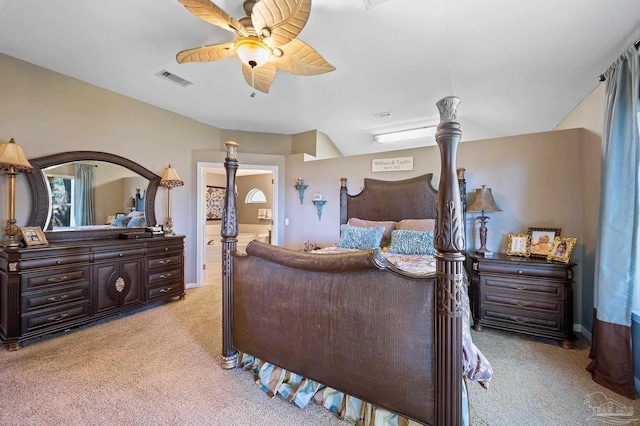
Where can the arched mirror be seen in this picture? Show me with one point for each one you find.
(78, 195)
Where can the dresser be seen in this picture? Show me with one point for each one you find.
(525, 295)
(48, 289)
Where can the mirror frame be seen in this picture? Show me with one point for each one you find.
(40, 194)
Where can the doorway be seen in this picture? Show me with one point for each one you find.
(213, 176)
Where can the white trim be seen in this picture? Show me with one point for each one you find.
(578, 328)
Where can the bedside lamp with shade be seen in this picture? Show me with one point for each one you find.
(170, 180)
(483, 202)
(13, 161)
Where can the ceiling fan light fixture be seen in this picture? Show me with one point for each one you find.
(252, 51)
(421, 132)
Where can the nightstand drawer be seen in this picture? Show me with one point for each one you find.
(518, 320)
(549, 306)
(522, 288)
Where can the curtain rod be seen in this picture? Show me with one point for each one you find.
(636, 45)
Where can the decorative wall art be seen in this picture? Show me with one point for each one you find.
(214, 202)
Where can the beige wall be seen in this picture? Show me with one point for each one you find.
(544, 179)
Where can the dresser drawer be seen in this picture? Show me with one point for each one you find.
(47, 262)
(156, 250)
(500, 301)
(59, 296)
(54, 278)
(159, 262)
(164, 290)
(55, 317)
(124, 254)
(522, 288)
(166, 274)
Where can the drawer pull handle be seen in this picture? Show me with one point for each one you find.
(165, 290)
(166, 275)
(519, 287)
(119, 254)
(520, 272)
(58, 262)
(519, 302)
(518, 319)
(57, 298)
(58, 279)
(57, 318)
(166, 248)
(164, 262)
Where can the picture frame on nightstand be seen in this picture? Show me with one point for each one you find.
(542, 241)
(519, 245)
(561, 249)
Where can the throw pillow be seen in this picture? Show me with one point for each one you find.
(412, 242)
(355, 237)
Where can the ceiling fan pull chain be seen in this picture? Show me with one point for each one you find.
(253, 94)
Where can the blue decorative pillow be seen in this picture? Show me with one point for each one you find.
(411, 242)
(137, 222)
(121, 221)
(354, 237)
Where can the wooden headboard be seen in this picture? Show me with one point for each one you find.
(382, 200)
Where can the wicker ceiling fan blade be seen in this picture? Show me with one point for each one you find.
(213, 52)
(301, 59)
(260, 78)
(280, 21)
(207, 11)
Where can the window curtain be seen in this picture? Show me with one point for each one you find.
(83, 202)
(618, 247)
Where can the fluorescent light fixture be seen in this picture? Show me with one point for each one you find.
(404, 135)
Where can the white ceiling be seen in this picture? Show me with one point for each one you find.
(519, 67)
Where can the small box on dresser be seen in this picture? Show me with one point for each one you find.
(526, 295)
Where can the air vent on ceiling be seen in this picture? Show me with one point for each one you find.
(164, 74)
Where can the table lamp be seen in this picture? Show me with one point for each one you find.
(13, 161)
(483, 202)
(170, 180)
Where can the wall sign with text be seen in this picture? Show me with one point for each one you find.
(392, 164)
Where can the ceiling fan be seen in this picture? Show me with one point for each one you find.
(265, 40)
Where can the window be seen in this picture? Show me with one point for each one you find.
(255, 196)
(62, 188)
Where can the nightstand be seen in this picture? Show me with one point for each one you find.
(525, 295)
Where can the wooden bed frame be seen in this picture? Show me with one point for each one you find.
(357, 323)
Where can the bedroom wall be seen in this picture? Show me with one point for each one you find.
(537, 180)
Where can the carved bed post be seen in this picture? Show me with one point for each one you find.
(229, 233)
(449, 243)
(343, 201)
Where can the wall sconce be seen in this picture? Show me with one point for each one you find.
(483, 202)
(170, 180)
(301, 187)
(319, 203)
(13, 161)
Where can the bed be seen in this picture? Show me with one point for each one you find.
(354, 321)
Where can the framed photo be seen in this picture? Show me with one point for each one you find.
(519, 245)
(561, 249)
(214, 202)
(33, 236)
(542, 240)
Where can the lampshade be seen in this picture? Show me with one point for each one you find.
(11, 155)
(252, 51)
(170, 178)
(483, 201)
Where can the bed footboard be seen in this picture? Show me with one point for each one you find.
(340, 320)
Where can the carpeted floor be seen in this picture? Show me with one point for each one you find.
(160, 366)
